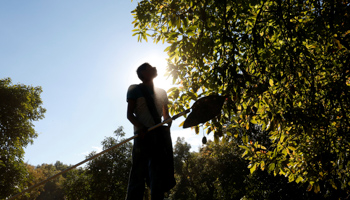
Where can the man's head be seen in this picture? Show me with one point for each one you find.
(146, 72)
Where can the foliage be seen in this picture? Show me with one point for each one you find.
(218, 171)
(77, 184)
(34, 176)
(282, 64)
(182, 159)
(196, 174)
(215, 172)
(105, 177)
(54, 188)
(20, 105)
(50, 190)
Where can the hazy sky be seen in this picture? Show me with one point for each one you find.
(83, 55)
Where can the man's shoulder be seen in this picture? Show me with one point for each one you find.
(134, 92)
(159, 90)
(133, 87)
(161, 94)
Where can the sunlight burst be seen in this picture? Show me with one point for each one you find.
(158, 61)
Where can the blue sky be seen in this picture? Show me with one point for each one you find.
(83, 55)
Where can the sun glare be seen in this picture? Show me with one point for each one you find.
(161, 80)
(160, 63)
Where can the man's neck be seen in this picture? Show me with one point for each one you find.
(148, 83)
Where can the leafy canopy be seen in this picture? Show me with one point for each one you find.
(284, 65)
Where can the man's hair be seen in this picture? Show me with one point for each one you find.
(142, 68)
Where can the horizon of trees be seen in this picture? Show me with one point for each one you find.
(217, 171)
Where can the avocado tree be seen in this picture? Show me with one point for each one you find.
(283, 65)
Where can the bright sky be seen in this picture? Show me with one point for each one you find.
(84, 57)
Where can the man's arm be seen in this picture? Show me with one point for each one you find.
(131, 117)
(166, 114)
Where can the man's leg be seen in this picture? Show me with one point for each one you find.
(138, 172)
(155, 170)
(156, 185)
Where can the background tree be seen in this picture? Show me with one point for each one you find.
(34, 176)
(110, 172)
(195, 173)
(20, 105)
(50, 190)
(282, 64)
(77, 184)
(218, 171)
(215, 172)
(54, 188)
(105, 177)
(181, 158)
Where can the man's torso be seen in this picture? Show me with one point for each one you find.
(141, 111)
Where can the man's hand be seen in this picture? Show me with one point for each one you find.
(141, 132)
(166, 114)
(169, 123)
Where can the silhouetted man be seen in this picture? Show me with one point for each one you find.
(152, 155)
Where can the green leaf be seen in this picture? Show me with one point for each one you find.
(209, 130)
(271, 167)
(299, 179)
(253, 121)
(245, 139)
(291, 148)
(196, 128)
(182, 123)
(253, 168)
(316, 188)
(244, 147)
(262, 165)
(245, 153)
(291, 177)
(216, 139)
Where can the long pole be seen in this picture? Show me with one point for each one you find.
(94, 156)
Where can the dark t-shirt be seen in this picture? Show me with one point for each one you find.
(141, 111)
